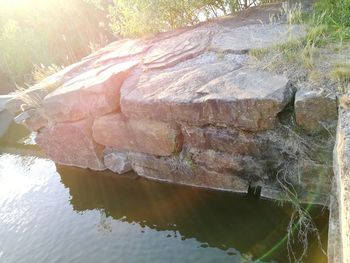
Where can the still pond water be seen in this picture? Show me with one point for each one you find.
(51, 213)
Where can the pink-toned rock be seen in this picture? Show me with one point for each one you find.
(121, 49)
(208, 90)
(228, 163)
(117, 161)
(147, 136)
(33, 119)
(315, 109)
(222, 139)
(178, 48)
(71, 144)
(181, 170)
(93, 92)
(245, 38)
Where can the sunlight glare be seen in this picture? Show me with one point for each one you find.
(14, 3)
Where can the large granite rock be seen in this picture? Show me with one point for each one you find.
(207, 90)
(184, 107)
(247, 166)
(242, 39)
(315, 109)
(33, 119)
(71, 144)
(75, 76)
(232, 141)
(118, 50)
(91, 93)
(334, 249)
(181, 169)
(142, 135)
(342, 180)
(178, 48)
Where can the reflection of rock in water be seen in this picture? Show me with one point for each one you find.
(105, 223)
(221, 220)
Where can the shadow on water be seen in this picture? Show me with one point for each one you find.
(240, 225)
(216, 219)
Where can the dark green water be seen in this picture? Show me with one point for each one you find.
(50, 213)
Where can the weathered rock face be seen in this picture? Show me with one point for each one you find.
(242, 39)
(93, 93)
(314, 109)
(152, 137)
(223, 140)
(183, 107)
(342, 184)
(171, 51)
(117, 161)
(182, 170)
(32, 119)
(71, 144)
(205, 91)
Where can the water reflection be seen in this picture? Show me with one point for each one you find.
(214, 219)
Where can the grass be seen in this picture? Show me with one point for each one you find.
(301, 226)
(344, 102)
(341, 73)
(258, 53)
(300, 148)
(41, 71)
(328, 28)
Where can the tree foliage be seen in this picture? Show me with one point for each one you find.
(47, 32)
(133, 18)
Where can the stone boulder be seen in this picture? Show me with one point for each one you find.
(220, 139)
(178, 48)
(242, 39)
(117, 161)
(93, 92)
(247, 166)
(181, 169)
(207, 90)
(342, 179)
(140, 135)
(71, 144)
(314, 109)
(118, 50)
(33, 119)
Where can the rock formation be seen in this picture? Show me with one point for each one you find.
(185, 107)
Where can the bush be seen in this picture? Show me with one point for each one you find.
(47, 32)
(135, 18)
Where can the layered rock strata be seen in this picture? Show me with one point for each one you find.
(183, 107)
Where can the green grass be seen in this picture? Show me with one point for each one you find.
(258, 52)
(328, 28)
(341, 73)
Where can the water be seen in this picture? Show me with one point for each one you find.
(51, 213)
